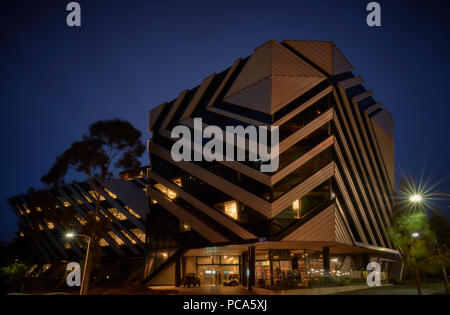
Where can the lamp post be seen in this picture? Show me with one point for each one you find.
(72, 235)
(417, 198)
(415, 236)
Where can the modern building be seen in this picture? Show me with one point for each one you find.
(322, 214)
(46, 216)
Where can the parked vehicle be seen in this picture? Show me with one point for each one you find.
(190, 279)
(232, 282)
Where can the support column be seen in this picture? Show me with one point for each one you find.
(178, 272)
(251, 267)
(271, 267)
(326, 259)
(366, 261)
(244, 269)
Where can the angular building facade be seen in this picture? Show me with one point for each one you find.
(323, 213)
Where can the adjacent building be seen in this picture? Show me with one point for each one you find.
(323, 213)
(46, 216)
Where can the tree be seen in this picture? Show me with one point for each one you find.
(420, 232)
(13, 275)
(110, 145)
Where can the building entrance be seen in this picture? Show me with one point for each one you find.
(208, 274)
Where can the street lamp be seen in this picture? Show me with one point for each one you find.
(415, 198)
(72, 235)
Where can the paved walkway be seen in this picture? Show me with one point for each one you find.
(427, 289)
(206, 290)
(315, 291)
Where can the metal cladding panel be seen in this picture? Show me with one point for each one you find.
(173, 109)
(286, 63)
(273, 93)
(386, 146)
(256, 69)
(286, 89)
(385, 121)
(153, 116)
(325, 55)
(342, 233)
(273, 77)
(320, 53)
(256, 97)
(302, 189)
(319, 228)
(360, 97)
(198, 95)
(340, 63)
(280, 174)
(167, 277)
(346, 84)
(224, 82)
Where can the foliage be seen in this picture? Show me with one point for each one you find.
(420, 251)
(110, 143)
(15, 271)
(13, 275)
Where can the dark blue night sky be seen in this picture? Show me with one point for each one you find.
(130, 56)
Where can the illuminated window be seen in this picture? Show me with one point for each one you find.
(296, 208)
(139, 234)
(64, 202)
(78, 200)
(86, 197)
(38, 209)
(103, 243)
(117, 214)
(81, 220)
(166, 191)
(116, 238)
(110, 193)
(49, 224)
(128, 236)
(230, 208)
(26, 208)
(132, 212)
(94, 195)
(185, 227)
(177, 181)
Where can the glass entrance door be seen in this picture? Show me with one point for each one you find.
(208, 274)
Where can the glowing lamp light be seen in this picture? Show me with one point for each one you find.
(69, 235)
(415, 235)
(415, 198)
